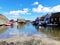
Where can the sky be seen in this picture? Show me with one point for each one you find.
(28, 9)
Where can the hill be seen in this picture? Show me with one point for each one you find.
(3, 19)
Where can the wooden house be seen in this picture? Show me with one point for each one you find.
(48, 19)
(53, 18)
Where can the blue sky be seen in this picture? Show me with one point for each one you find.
(28, 9)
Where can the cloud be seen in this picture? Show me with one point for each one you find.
(42, 9)
(25, 11)
(35, 3)
(18, 12)
(56, 8)
(38, 9)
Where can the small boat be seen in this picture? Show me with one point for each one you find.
(8, 24)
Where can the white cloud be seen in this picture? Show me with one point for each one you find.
(42, 9)
(56, 8)
(35, 3)
(17, 12)
(38, 9)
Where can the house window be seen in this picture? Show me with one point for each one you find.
(54, 22)
(51, 19)
(55, 19)
(59, 19)
(47, 18)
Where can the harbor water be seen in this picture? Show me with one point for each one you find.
(26, 30)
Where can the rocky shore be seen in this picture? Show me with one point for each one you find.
(33, 40)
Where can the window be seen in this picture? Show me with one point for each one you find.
(55, 19)
(47, 18)
(51, 19)
(59, 19)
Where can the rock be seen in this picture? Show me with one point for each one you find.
(3, 43)
(3, 19)
(11, 43)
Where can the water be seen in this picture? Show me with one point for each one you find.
(52, 32)
(22, 30)
(17, 31)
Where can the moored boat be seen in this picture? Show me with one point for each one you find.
(8, 24)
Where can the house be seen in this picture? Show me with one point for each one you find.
(36, 22)
(12, 21)
(49, 19)
(21, 20)
(55, 18)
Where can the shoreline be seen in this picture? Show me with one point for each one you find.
(31, 40)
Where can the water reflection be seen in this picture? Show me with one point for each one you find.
(2, 29)
(52, 32)
(29, 30)
(19, 30)
(20, 26)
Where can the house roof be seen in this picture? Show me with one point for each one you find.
(55, 14)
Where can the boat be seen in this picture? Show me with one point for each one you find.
(8, 24)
